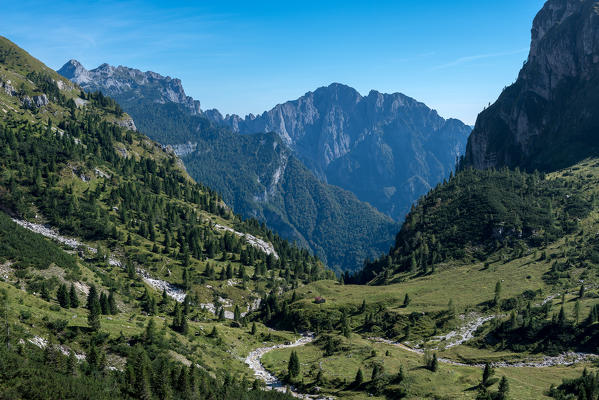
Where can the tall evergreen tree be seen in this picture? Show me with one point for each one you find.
(293, 367)
(62, 295)
(73, 298)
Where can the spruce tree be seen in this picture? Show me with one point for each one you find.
(104, 307)
(435, 363)
(504, 388)
(44, 292)
(62, 296)
(487, 374)
(497, 297)
(112, 308)
(73, 299)
(293, 367)
(359, 377)
(93, 318)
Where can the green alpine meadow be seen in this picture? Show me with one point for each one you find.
(333, 245)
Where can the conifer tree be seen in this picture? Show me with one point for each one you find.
(62, 296)
(497, 297)
(44, 292)
(359, 379)
(112, 308)
(104, 307)
(293, 367)
(503, 390)
(73, 298)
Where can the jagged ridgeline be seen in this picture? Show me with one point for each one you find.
(480, 213)
(127, 216)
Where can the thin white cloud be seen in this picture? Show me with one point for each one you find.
(468, 59)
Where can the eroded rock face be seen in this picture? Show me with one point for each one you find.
(548, 119)
(388, 149)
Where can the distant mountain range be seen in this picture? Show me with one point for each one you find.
(386, 150)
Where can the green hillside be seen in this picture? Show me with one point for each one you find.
(128, 221)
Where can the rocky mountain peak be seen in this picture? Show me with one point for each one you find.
(123, 83)
(375, 146)
(546, 119)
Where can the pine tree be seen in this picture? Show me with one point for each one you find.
(93, 306)
(487, 374)
(62, 296)
(406, 300)
(150, 333)
(236, 313)
(71, 363)
(362, 307)
(293, 367)
(141, 379)
(253, 331)
(400, 375)
(93, 318)
(112, 308)
(577, 311)
(503, 390)
(359, 377)
(214, 332)
(92, 298)
(104, 307)
(93, 359)
(435, 363)
(581, 291)
(73, 299)
(561, 319)
(497, 297)
(44, 292)
(130, 268)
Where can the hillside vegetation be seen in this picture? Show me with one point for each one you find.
(94, 311)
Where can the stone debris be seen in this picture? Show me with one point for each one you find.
(258, 243)
(272, 382)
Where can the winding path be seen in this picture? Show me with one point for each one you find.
(466, 332)
(253, 360)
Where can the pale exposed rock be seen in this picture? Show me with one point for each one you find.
(258, 243)
(127, 123)
(115, 81)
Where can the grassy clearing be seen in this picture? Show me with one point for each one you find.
(451, 382)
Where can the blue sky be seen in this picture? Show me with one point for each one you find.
(244, 56)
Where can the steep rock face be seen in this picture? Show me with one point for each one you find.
(127, 84)
(547, 119)
(388, 149)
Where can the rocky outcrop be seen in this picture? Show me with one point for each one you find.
(124, 84)
(127, 123)
(388, 149)
(35, 101)
(8, 88)
(548, 118)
